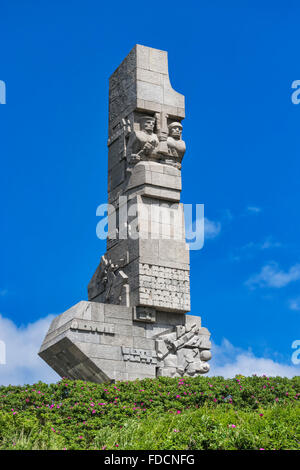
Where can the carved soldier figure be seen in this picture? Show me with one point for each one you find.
(176, 145)
(144, 142)
(190, 363)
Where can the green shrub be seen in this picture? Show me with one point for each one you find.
(143, 414)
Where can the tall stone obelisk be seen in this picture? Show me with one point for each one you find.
(135, 324)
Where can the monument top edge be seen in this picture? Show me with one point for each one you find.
(149, 47)
(140, 48)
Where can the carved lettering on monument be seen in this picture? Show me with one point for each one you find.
(164, 287)
(139, 355)
(92, 326)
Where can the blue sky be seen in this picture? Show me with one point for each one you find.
(235, 64)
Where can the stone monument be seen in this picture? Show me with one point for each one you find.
(135, 323)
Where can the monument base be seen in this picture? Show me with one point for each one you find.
(101, 342)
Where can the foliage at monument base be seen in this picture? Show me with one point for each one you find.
(179, 414)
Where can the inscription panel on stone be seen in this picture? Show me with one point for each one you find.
(93, 326)
(139, 355)
(144, 314)
(164, 287)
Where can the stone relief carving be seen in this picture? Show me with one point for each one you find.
(176, 146)
(110, 281)
(123, 128)
(156, 140)
(143, 143)
(184, 351)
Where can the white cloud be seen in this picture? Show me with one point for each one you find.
(228, 361)
(227, 216)
(272, 276)
(211, 229)
(249, 250)
(253, 209)
(294, 304)
(200, 229)
(268, 243)
(23, 365)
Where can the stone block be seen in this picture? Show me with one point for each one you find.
(191, 320)
(152, 106)
(149, 76)
(117, 312)
(158, 61)
(148, 370)
(171, 97)
(149, 92)
(139, 342)
(142, 56)
(101, 351)
(118, 340)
